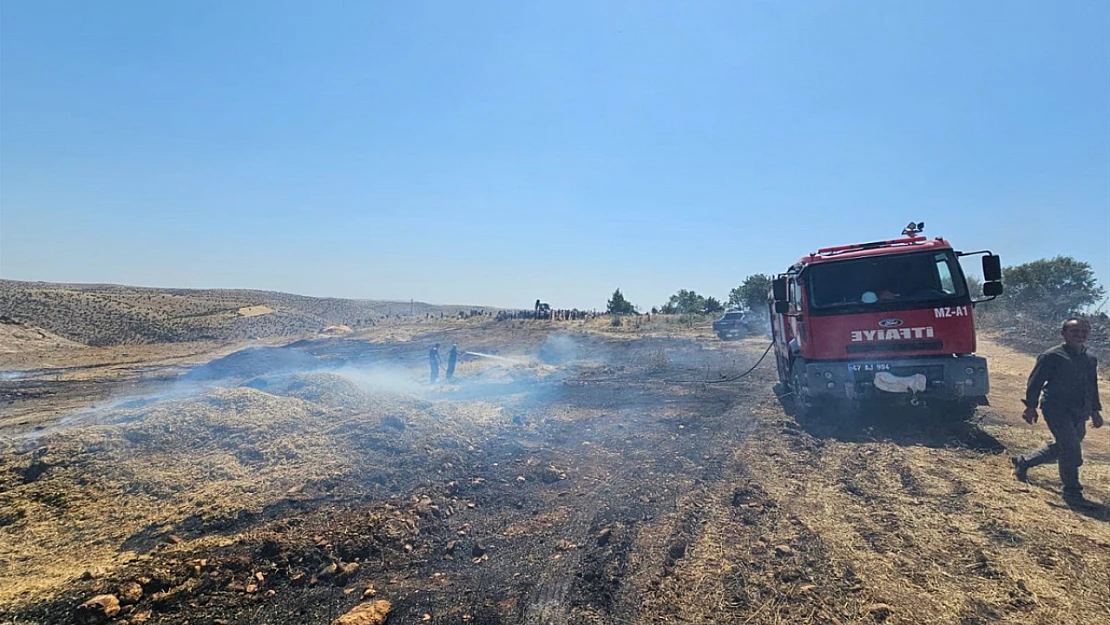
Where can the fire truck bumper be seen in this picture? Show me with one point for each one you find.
(947, 378)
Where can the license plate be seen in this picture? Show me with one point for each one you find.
(868, 366)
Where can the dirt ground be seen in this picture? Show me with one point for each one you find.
(572, 473)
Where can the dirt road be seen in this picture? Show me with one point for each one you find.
(600, 475)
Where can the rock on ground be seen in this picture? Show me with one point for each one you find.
(98, 609)
(368, 613)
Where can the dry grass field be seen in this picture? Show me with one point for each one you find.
(572, 473)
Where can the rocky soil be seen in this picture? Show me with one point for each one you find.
(587, 474)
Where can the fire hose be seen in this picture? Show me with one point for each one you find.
(721, 381)
(731, 379)
(737, 377)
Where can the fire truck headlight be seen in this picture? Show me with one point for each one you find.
(831, 385)
(829, 376)
(970, 382)
(969, 370)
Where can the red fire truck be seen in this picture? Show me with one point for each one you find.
(887, 321)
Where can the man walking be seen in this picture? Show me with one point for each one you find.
(1068, 376)
(433, 362)
(452, 356)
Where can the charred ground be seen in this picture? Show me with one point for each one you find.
(600, 475)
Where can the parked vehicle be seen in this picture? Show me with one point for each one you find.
(734, 324)
(887, 321)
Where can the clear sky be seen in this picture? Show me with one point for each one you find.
(498, 152)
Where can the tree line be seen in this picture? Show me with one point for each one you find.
(1049, 288)
(750, 295)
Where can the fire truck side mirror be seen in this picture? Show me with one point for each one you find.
(778, 290)
(992, 289)
(992, 268)
(782, 306)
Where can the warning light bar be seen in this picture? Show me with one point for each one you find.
(867, 246)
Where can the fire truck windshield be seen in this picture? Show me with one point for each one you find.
(885, 282)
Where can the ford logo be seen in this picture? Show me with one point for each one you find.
(890, 323)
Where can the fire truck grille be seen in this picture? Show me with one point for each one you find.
(895, 346)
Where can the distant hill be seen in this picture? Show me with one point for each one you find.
(108, 314)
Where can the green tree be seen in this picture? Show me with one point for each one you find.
(684, 302)
(1051, 288)
(713, 305)
(618, 305)
(974, 286)
(975, 289)
(752, 294)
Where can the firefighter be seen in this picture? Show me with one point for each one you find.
(433, 362)
(1068, 376)
(452, 356)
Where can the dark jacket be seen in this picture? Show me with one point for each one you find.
(1070, 382)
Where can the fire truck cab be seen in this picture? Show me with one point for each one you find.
(887, 321)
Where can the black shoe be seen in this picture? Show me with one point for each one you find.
(1075, 499)
(1021, 472)
(1073, 495)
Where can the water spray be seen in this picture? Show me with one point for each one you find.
(512, 360)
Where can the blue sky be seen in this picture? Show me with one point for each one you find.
(498, 152)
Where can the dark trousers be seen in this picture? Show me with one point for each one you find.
(1068, 429)
(435, 372)
(450, 369)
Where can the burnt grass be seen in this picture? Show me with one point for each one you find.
(583, 502)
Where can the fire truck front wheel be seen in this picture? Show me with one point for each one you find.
(802, 402)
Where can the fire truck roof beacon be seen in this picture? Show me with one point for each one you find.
(914, 229)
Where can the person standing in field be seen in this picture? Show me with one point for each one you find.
(1068, 376)
(452, 357)
(433, 362)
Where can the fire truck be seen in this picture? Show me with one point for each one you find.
(881, 322)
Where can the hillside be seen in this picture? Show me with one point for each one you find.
(103, 314)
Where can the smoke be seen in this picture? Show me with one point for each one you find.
(117, 410)
(229, 371)
(346, 374)
(382, 379)
(253, 362)
(559, 349)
